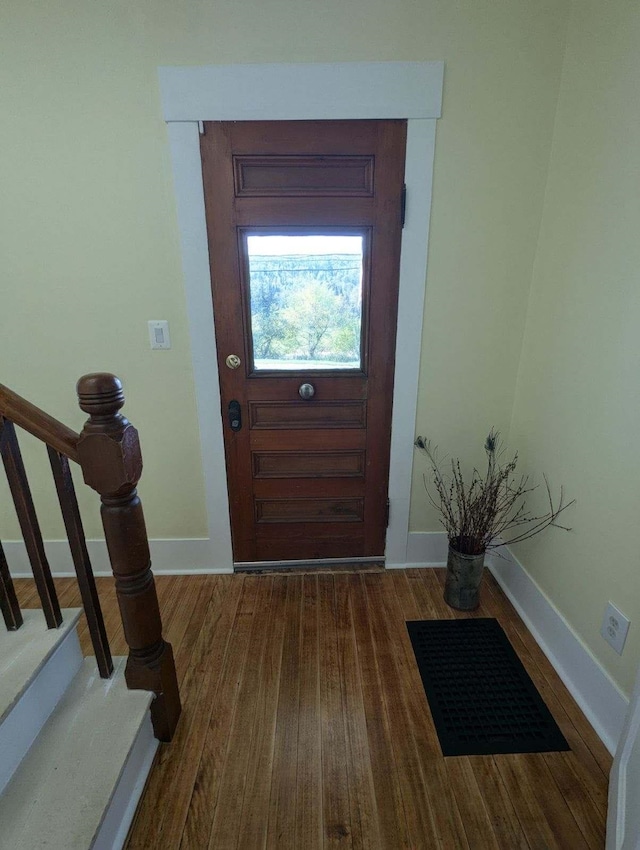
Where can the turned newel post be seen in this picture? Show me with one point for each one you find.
(109, 454)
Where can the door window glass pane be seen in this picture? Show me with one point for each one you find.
(305, 297)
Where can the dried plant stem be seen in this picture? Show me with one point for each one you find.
(479, 515)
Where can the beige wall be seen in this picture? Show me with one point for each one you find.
(577, 407)
(88, 233)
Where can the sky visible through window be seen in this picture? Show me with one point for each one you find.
(306, 300)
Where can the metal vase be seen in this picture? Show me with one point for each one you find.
(464, 574)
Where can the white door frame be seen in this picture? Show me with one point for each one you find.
(360, 90)
(623, 817)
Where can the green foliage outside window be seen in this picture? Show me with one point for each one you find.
(306, 308)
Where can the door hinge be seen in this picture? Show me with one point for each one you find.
(403, 204)
(201, 127)
(388, 513)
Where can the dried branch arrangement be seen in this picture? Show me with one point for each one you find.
(491, 510)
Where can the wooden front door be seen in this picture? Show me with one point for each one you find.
(304, 224)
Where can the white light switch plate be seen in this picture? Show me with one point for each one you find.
(159, 334)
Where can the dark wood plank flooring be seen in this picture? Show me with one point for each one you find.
(305, 724)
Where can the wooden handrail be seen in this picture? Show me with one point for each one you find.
(30, 418)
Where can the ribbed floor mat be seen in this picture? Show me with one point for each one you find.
(481, 697)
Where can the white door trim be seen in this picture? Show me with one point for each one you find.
(374, 90)
(288, 92)
(623, 817)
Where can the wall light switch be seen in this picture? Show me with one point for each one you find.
(159, 333)
(615, 627)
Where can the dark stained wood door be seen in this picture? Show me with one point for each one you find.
(304, 225)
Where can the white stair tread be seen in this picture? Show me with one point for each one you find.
(24, 653)
(58, 796)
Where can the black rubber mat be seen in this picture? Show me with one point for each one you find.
(481, 697)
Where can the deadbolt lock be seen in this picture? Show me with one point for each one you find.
(235, 415)
(233, 361)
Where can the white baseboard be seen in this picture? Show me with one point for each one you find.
(598, 696)
(600, 699)
(169, 556)
(424, 549)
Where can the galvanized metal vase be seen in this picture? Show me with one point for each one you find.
(464, 574)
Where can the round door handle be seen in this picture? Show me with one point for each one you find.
(306, 391)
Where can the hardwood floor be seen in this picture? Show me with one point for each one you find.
(305, 725)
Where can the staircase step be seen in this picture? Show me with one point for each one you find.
(37, 665)
(79, 784)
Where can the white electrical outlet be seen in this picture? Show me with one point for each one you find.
(159, 334)
(615, 627)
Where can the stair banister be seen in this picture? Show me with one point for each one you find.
(109, 455)
(38, 423)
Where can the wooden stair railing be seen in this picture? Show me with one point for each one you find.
(108, 452)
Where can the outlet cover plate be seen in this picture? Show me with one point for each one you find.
(615, 627)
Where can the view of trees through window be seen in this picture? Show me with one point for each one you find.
(306, 301)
